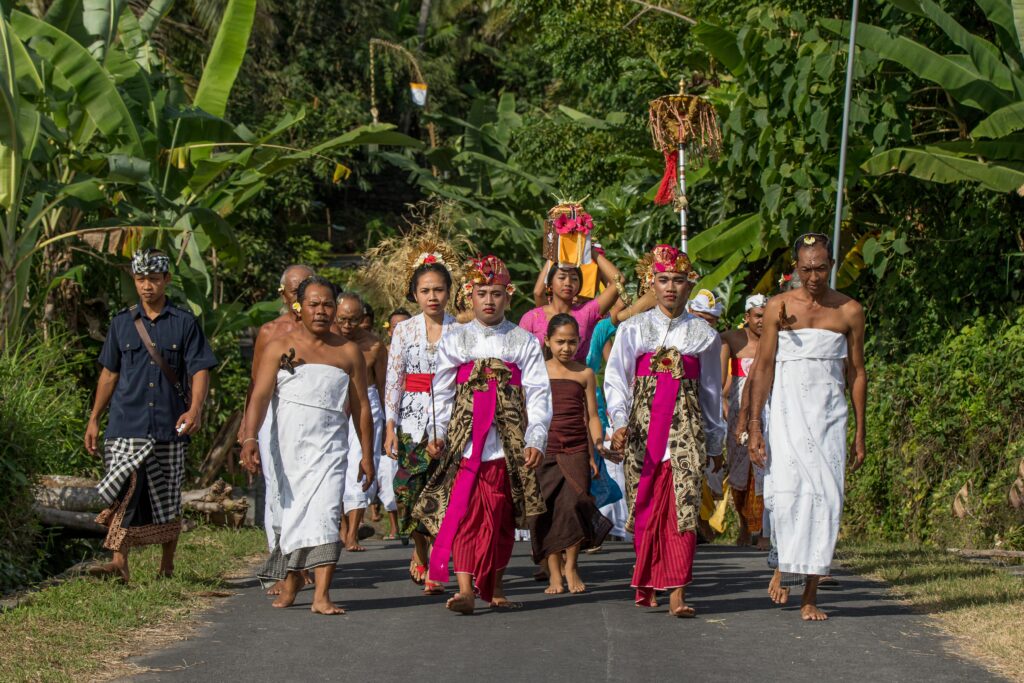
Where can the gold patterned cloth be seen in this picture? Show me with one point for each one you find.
(510, 422)
(686, 443)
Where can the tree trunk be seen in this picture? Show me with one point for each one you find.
(79, 521)
(421, 27)
(71, 494)
(223, 445)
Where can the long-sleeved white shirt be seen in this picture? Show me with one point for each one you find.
(506, 342)
(411, 353)
(688, 334)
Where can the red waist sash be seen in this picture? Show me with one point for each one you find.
(419, 382)
(737, 367)
(663, 406)
(484, 405)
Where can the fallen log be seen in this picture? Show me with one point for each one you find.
(216, 505)
(79, 521)
(986, 554)
(70, 494)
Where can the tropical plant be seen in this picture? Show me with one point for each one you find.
(96, 140)
(977, 97)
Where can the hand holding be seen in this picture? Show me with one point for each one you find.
(435, 448)
(533, 457)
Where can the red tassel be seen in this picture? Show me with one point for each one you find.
(667, 189)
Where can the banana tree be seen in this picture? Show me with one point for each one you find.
(982, 83)
(97, 141)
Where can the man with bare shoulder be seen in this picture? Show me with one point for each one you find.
(811, 351)
(283, 325)
(357, 496)
(315, 379)
(745, 480)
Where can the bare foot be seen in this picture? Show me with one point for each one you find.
(812, 613)
(501, 602)
(743, 538)
(764, 543)
(325, 607)
(776, 591)
(307, 579)
(109, 571)
(165, 573)
(355, 548)
(554, 588)
(276, 588)
(677, 606)
(289, 589)
(576, 584)
(463, 604)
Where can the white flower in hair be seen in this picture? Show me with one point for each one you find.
(429, 257)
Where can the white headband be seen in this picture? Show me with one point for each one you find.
(756, 301)
(705, 302)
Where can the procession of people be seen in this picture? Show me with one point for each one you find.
(600, 415)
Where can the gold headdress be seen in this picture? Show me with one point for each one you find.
(664, 258)
(428, 238)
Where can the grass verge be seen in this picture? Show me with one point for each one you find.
(84, 629)
(980, 605)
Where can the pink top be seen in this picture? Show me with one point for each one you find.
(587, 315)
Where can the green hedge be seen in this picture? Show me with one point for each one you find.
(940, 419)
(43, 412)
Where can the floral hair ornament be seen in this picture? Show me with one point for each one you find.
(297, 307)
(667, 259)
(427, 258)
(486, 270)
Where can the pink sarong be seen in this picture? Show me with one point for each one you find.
(484, 406)
(663, 407)
(483, 544)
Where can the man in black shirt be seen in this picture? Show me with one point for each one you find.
(156, 372)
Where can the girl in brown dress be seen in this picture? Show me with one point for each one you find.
(572, 521)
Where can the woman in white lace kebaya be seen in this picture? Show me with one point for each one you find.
(412, 362)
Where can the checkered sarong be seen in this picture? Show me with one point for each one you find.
(165, 470)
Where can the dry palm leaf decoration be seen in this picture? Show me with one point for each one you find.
(683, 123)
(1016, 495)
(961, 502)
(427, 237)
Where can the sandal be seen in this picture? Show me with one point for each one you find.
(433, 588)
(418, 572)
(390, 537)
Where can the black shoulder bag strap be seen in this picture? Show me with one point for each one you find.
(159, 360)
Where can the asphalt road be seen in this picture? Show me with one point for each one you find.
(392, 633)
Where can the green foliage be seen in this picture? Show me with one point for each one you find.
(42, 419)
(936, 421)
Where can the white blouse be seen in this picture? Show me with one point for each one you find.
(411, 353)
(510, 343)
(688, 334)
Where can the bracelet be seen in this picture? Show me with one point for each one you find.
(251, 438)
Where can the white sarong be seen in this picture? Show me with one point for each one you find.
(739, 459)
(355, 497)
(310, 432)
(804, 479)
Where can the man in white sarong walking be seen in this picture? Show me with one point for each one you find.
(310, 380)
(811, 351)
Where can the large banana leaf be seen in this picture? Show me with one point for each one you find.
(10, 143)
(963, 83)
(937, 165)
(721, 43)
(1001, 122)
(226, 57)
(1000, 13)
(100, 18)
(95, 91)
(737, 234)
(156, 11)
(984, 55)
